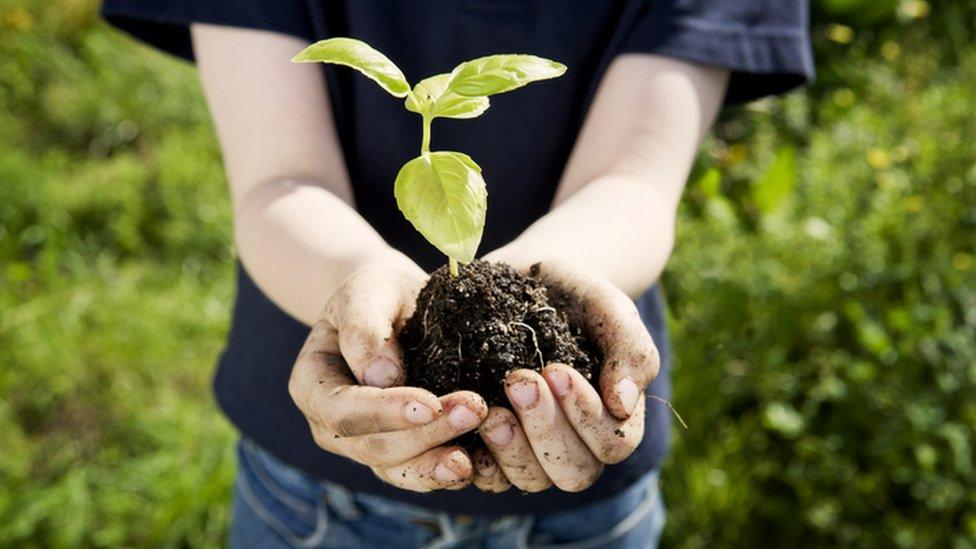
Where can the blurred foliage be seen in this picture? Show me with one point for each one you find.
(115, 279)
(823, 294)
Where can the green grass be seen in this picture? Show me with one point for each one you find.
(823, 295)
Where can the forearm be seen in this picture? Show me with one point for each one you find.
(614, 210)
(299, 242)
(616, 227)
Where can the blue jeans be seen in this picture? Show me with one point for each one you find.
(277, 506)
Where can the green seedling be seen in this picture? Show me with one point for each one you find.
(441, 193)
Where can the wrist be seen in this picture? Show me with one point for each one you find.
(522, 256)
(383, 257)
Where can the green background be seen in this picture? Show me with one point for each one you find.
(822, 294)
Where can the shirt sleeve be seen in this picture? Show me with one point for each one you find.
(165, 24)
(764, 43)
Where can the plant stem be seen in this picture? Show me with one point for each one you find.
(452, 265)
(425, 143)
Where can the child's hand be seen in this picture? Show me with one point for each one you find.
(344, 383)
(562, 431)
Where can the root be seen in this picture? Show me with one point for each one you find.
(457, 377)
(535, 341)
(673, 410)
(423, 339)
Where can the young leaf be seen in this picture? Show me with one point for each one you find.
(360, 56)
(443, 195)
(501, 73)
(774, 188)
(431, 97)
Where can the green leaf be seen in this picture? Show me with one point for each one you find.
(710, 183)
(431, 97)
(360, 56)
(443, 195)
(783, 419)
(501, 73)
(771, 191)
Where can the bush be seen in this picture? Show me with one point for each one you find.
(825, 310)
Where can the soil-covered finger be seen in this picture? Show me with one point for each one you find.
(506, 441)
(447, 468)
(565, 458)
(610, 439)
(488, 476)
(319, 369)
(463, 411)
(354, 410)
(365, 312)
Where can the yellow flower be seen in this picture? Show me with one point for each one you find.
(913, 204)
(913, 9)
(890, 50)
(17, 19)
(842, 34)
(879, 159)
(844, 97)
(885, 180)
(962, 262)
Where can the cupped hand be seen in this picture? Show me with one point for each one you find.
(346, 382)
(563, 430)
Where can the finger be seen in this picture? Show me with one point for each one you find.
(488, 476)
(354, 410)
(506, 441)
(630, 358)
(319, 367)
(610, 439)
(465, 411)
(564, 457)
(447, 468)
(325, 392)
(364, 312)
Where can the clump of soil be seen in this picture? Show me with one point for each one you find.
(468, 332)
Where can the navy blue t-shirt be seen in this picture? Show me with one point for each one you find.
(522, 143)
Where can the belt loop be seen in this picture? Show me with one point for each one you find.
(341, 500)
(524, 530)
(447, 529)
(519, 527)
(448, 535)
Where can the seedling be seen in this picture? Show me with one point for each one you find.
(441, 193)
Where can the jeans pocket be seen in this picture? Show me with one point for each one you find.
(296, 516)
(628, 522)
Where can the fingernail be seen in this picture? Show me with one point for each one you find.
(418, 413)
(524, 394)
(462, 418)
(382, 372)
(445, 470)
(627, 393)
(444, 474)
(486, 467)
(501, 435)
(559, 381)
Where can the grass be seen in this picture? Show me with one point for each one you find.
(822, 295)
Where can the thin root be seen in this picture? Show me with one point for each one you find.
(535, 341)
(673, 411)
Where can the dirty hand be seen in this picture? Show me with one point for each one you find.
(345, 381)
(563, 430)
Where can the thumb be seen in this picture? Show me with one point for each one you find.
(364, 312)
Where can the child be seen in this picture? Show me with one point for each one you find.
(584, 176)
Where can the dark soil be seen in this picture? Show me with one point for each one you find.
(468, 332)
